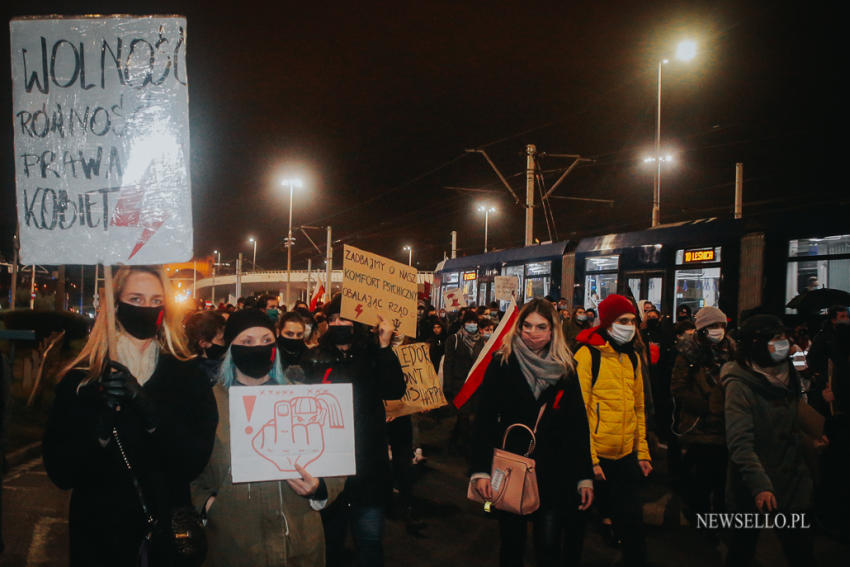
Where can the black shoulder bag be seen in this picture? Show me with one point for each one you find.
(186, 532)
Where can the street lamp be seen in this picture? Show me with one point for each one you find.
(253, 241)
(486, 209)
(409, 255)
(685, 51)
(292, 184)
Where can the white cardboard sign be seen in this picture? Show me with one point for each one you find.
(101, 139)
(453, 299)
(273, 428)
(504, 287)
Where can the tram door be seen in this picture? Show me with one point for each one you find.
(646, 285)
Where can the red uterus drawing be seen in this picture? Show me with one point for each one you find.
(295, 434)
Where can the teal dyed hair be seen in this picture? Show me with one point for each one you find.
(227, 371)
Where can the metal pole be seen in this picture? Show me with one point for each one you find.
(486, 219)
(14, 290)
(32, 288)
(254, 262)
(82, 286)
(739, 190)
(454, 244)
(239, 275)
(289, 247)
(530, 151)
(410, 256)
(656, 192)
(309, 273)
(195, 282)
(212, 299)
(329, 267)
(95, 298)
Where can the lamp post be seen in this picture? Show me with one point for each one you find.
(486, 209)
(409, 255)
(215, 264)
(292, 184)
(685, 51)
(253, 241)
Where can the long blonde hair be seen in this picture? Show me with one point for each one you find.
(171, 335)
(558, 349)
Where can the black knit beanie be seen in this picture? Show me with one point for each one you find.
(245, 319)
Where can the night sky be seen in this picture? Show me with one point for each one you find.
(373, 104)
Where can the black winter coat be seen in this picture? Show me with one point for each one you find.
(106, 522)
(563, 437)
(375, 374)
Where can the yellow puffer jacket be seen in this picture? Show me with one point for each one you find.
(614, 404)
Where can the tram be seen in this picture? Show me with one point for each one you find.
(734, 264)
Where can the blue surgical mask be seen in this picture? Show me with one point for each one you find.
(581, 317)
(471, 328)
(486, 335)
(780, 350)
(272, 314)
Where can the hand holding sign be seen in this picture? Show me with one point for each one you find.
(385, 332)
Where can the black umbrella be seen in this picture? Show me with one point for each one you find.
(817, 299)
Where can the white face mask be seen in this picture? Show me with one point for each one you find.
(581, 317)
(715, 335)
(621, 333)
(780, 350)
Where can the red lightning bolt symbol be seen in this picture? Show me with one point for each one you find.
(130, 211)
(359, 309)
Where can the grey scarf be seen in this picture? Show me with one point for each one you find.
(540, 371)
(470, 340)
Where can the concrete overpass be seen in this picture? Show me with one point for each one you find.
(219, 288)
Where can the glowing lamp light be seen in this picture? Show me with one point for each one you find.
(686, 50)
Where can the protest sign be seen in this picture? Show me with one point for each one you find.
(424, 391)
(453, 299)
(273, 428)
(101, 139)
(504, 287)
(375, 286)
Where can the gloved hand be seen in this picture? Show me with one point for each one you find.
(121, 387)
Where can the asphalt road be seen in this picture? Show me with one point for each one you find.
(458, 532)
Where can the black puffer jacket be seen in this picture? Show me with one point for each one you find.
(106, 522)
(375, 374)
(563, 438)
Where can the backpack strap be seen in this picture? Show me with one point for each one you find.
(633, 358)
(595, 362)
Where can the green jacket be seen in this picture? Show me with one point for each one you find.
(256, 523)
(764, 440)
(697, 391)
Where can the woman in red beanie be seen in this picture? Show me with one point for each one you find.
(609, 370)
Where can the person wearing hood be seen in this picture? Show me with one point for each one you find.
(205, 333)
(610, 373)
(829, 361)
(534, 371)
(274, 522)
(766, 472)
(291, 346)
(574, 325)
(150, 406)
(698, 397)
(348, 354)
(462, 349)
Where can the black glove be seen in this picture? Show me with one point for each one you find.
(121, 387)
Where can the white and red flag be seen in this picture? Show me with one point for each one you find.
(317, 295)
(479, 368)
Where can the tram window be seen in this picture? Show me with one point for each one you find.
(470, 290)
(838, 244)
(697, 288)
(653, 292)
(450, 278)
(634, 287)
(810, 275)
(597, 287)
(536, 287)
(601, 263)
(538, 268)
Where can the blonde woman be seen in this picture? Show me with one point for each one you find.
(533, 368)
(161, 405)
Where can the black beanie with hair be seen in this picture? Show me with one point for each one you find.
(245, 319)
(334, 306)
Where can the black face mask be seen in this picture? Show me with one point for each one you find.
(652, 324)
(340, 334)
(215, 351)
(253, 361)
(141, 322)
(291, 345)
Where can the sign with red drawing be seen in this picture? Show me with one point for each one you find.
(274, 428)
(453, 299)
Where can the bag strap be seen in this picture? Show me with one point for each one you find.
(531, 432)
(595, 362)
(149, 519)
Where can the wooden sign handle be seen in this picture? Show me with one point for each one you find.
(111, 334)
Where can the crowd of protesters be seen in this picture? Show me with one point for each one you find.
(745, 418)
